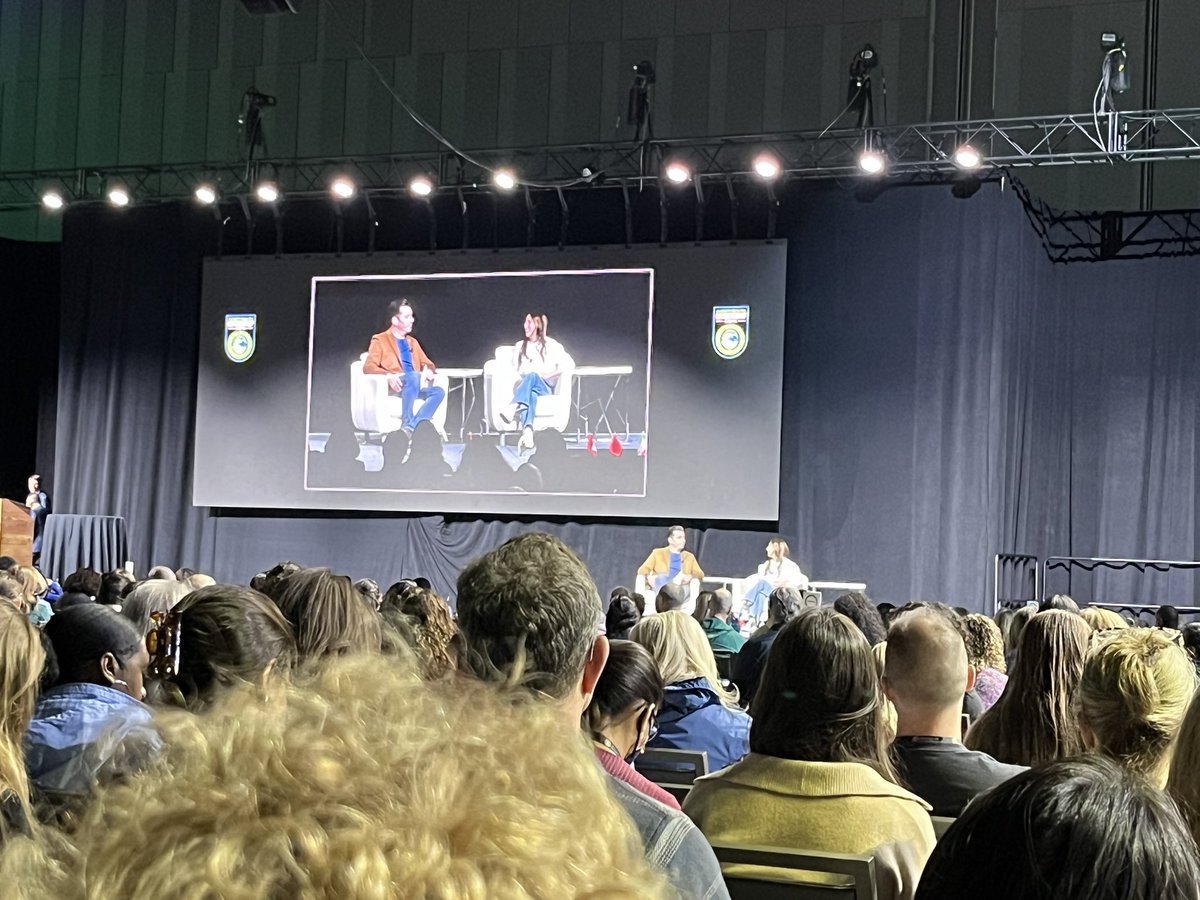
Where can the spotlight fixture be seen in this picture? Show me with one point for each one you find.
(678, 173)
(420, 186)
(504, 179)
(967, 157)
(766, 167)
(342, 188)
(872, 162)
(53, 200)
(118, 195)
(267, 192)
(206, 194)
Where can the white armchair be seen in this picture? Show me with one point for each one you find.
(500, 378)
(374, 411)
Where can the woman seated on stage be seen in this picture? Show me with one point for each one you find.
(777, 571)
(540, 360)
(671, 564)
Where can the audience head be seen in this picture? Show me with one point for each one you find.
(1166, 616)
(670, 596)
(95, 645)
(681, 650)
(819, 699)
(271, 582)
(198, 580)
(227, 636)
(857, 607)
(985, 645)
(113, 587)
(327, 615)
(6, 563)
(429, 623)
(149, 597)
(161, 573)
(33, 581)
(83, 581)
(22, 659)
(700, 610)
(784, 604)
(886, 612)
(530, 616)
(639, 600)
(926, 670)
(12, 591)
(1134, 692)
(363, 783)
(183, 573)
(1059, 601)
(1101, 619)
(1190, 634)
(622, 615)
(368, 589)
(628, 694)
(1076, 829)
(1014, 625)
(720, 605)
(1183, 783)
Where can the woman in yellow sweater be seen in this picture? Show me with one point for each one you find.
(818, 776)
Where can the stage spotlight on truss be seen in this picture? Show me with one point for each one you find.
(267, 192)
(873, 162)
(420, 186)
(767, 167)
(342, 188)
(967, 157)
(677, 173)
(206, 194)
(118, 195)
(504, 179)
(53, 201)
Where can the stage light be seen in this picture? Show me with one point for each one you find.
(53, 200)
(118, 195)
(267, 192)
(766, 167)
(504, 179)
(342, 188)
(872, 162)
(967, 157)
(678, 173)
(420, 186)
(206, 194)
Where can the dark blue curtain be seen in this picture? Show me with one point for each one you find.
(949, 394)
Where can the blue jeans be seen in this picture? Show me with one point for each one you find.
(755, 603)
(411, 392)
(525, 396)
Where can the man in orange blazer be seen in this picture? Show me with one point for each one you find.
(397, 354)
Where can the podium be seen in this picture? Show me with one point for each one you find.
(16, 532)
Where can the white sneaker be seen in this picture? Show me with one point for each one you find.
(526, 440)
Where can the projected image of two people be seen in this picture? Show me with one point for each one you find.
(443, 400)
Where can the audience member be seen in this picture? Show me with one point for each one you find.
(1183, 782)
(430, 624)
(1011, 629)
(639, 600)
(1134, 692)
(21, 660)
(6, 563)
(697, 712)
(718, 623)
(83, 581)
(12, 591)
(362, 783)
(985, 653)
(198, 580)
(783, 605)
(819, 776)
(1033, 721)
(857, 607)
(669, 597)
(1166, 616)
(161, 573)
(92, 726)
(529, 617)
(1078, 829)
(927, 672)
(1059, 601)
(271, 581)
(621, 716)
(220, 637)
(1190, 634)
(620, 618)
(702, 601)
(326, 614)
(1101, 619)
(368, 588)
(113, 587)
(886, 612)
(149, 597)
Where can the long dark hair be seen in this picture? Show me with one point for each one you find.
(859, 609)
(819, 698)
(629, 675)
(542, 321)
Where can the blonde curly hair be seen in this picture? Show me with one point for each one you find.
(365, 782)
(985, 644)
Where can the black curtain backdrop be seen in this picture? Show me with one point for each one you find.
(949, 394)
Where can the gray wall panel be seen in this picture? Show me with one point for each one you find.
(389, 27)
(544, 22)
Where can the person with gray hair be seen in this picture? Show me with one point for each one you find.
(783, 605)
(149, 597)
(530, 617)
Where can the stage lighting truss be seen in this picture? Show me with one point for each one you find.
(924, 151)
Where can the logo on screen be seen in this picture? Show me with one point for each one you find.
(239, 336)
(730, 330)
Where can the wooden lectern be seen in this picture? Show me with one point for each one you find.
(16, 532)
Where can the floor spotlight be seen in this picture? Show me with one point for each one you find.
(420, 186)
(967, 157)
(53, 200)
(678, 173)
(206, 194)
(872, 162)
(342, 188)
(267, 192)
(504, 179)
(118, 195)
(766, 167)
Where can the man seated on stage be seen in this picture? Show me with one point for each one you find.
(672, 565)
(397, 354)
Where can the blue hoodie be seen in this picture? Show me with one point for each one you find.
(693, 718)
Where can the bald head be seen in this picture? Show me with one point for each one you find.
(926, 664)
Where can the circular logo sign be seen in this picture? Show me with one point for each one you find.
(239, 346)
(730, 339)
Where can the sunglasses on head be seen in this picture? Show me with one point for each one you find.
(163, 643)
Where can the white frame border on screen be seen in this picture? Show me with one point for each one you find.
(442, 276)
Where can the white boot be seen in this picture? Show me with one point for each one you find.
(526, 441)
